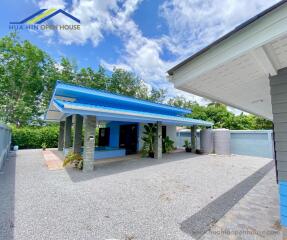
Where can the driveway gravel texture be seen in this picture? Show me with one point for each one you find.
(136, 199)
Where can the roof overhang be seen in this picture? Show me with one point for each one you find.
(235, 69)
(115, 114)
(70, 100)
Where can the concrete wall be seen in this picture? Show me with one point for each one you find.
(243, 142)
(252, 143)
(186, 135)
(5, 142)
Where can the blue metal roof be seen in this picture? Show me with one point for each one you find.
(107, 99)
(70, 99)
(117, 114)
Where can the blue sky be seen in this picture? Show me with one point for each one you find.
(146, 37)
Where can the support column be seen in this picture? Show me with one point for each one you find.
(90, 125)
(158, 141)
(278, 88)
(77, 144)
(68, 132)
(61, 136)
(193, 138)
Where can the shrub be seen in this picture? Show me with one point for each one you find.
(34, 137)
(167, 145)
(74, 159)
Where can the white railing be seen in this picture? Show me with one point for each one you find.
(5, 142)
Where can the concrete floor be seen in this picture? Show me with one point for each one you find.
(183, 196)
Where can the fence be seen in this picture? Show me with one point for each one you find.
(252, 142)
(5, 141)
(243, 142)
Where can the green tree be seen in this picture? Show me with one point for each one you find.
(68, 70)
(24, 70)
(28, 76)
(157, 95)
(220, 116)
(124, 82)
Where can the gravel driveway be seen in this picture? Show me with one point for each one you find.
(137, 199)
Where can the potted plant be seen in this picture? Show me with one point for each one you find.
(187, 146)
(44, 146)
(148, 139)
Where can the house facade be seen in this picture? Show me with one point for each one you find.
(113, 124)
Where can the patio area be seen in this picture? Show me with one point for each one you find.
(181, 196)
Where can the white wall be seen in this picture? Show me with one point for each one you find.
(140, 141)
(170, 131)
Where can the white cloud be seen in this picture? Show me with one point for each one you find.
(111, 66)
(195, 23)
(192, 24)
(52, 4)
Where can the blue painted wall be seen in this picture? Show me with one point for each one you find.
(115, 132)
(109, 153)
(114, 136)
(283, 202)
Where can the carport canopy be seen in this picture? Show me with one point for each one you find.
(235, 69)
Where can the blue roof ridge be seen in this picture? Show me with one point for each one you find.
(118, 94)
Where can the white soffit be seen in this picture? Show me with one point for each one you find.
(236, 71)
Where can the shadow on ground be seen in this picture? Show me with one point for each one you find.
(125, 166)
(7, 198)
(199, 223)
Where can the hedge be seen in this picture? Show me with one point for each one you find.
(34, 137)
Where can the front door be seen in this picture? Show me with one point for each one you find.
(104, 137)
(129, 137)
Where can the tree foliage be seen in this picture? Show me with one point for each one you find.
(24, 72)
(35, 137)
(221, 117)
(28, 76)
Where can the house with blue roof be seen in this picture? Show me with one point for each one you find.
(120, 120)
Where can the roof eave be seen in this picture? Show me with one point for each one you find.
(226, 36)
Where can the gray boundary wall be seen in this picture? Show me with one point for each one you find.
(5, 142)
(257, 143)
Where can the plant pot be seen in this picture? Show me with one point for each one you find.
(151, 155)
(198, 151)
(188, 149)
